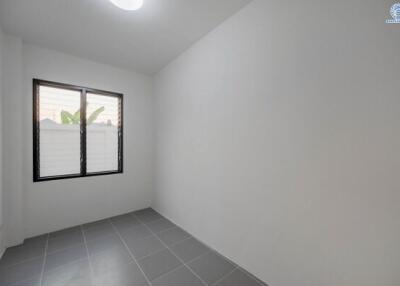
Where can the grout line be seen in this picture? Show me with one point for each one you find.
(51, 270)
(130, 253)
(225, 276)
(160, 250)
(22, 261)
(165, 230)
(87, 254)
(132, 214)
(22, 281)
(259, 281)
(182, 265)
(180, 241)
(65, 248)
(175, 269)
(151, 222)
(44, 259)
(44, 254)
(183, 262)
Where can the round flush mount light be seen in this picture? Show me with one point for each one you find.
(129, 5)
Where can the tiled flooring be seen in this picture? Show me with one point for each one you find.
(136, 249)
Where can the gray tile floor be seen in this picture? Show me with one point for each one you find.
(141, 248)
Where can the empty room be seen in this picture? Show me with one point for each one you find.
(199, 143)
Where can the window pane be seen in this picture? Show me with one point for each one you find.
(59, 131)
(102, 115)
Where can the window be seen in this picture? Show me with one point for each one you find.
(77, 131)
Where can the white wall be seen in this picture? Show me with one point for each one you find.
(49, 206)
(1, 149)
(12, 140)
(277, 142)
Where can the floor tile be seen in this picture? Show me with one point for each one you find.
(128, 275)
(145, 246)
(95, 230)
(173, 236)
(189, 249)
(64, 240)
(62, 257)
(144, 212)
(37, 241)
(21, 253)
(95, 224)
(161, 225)
(30, 282)
(147, 215)
(144, 235)
(125, 221)
(21, 272)
(31, 248)
(158, 264)
(136, 232)
(74, 274)
(65, 232)
(104, 243)
(238, 278)
(180, 277)
(211, 267)
(113, 258)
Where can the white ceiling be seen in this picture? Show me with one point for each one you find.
(144, 40)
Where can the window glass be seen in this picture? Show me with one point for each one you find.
(62, 146)
(59, 131)
(102, 118)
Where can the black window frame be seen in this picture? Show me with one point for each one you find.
(83, 160)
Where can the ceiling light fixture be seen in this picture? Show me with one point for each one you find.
(129, 5)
